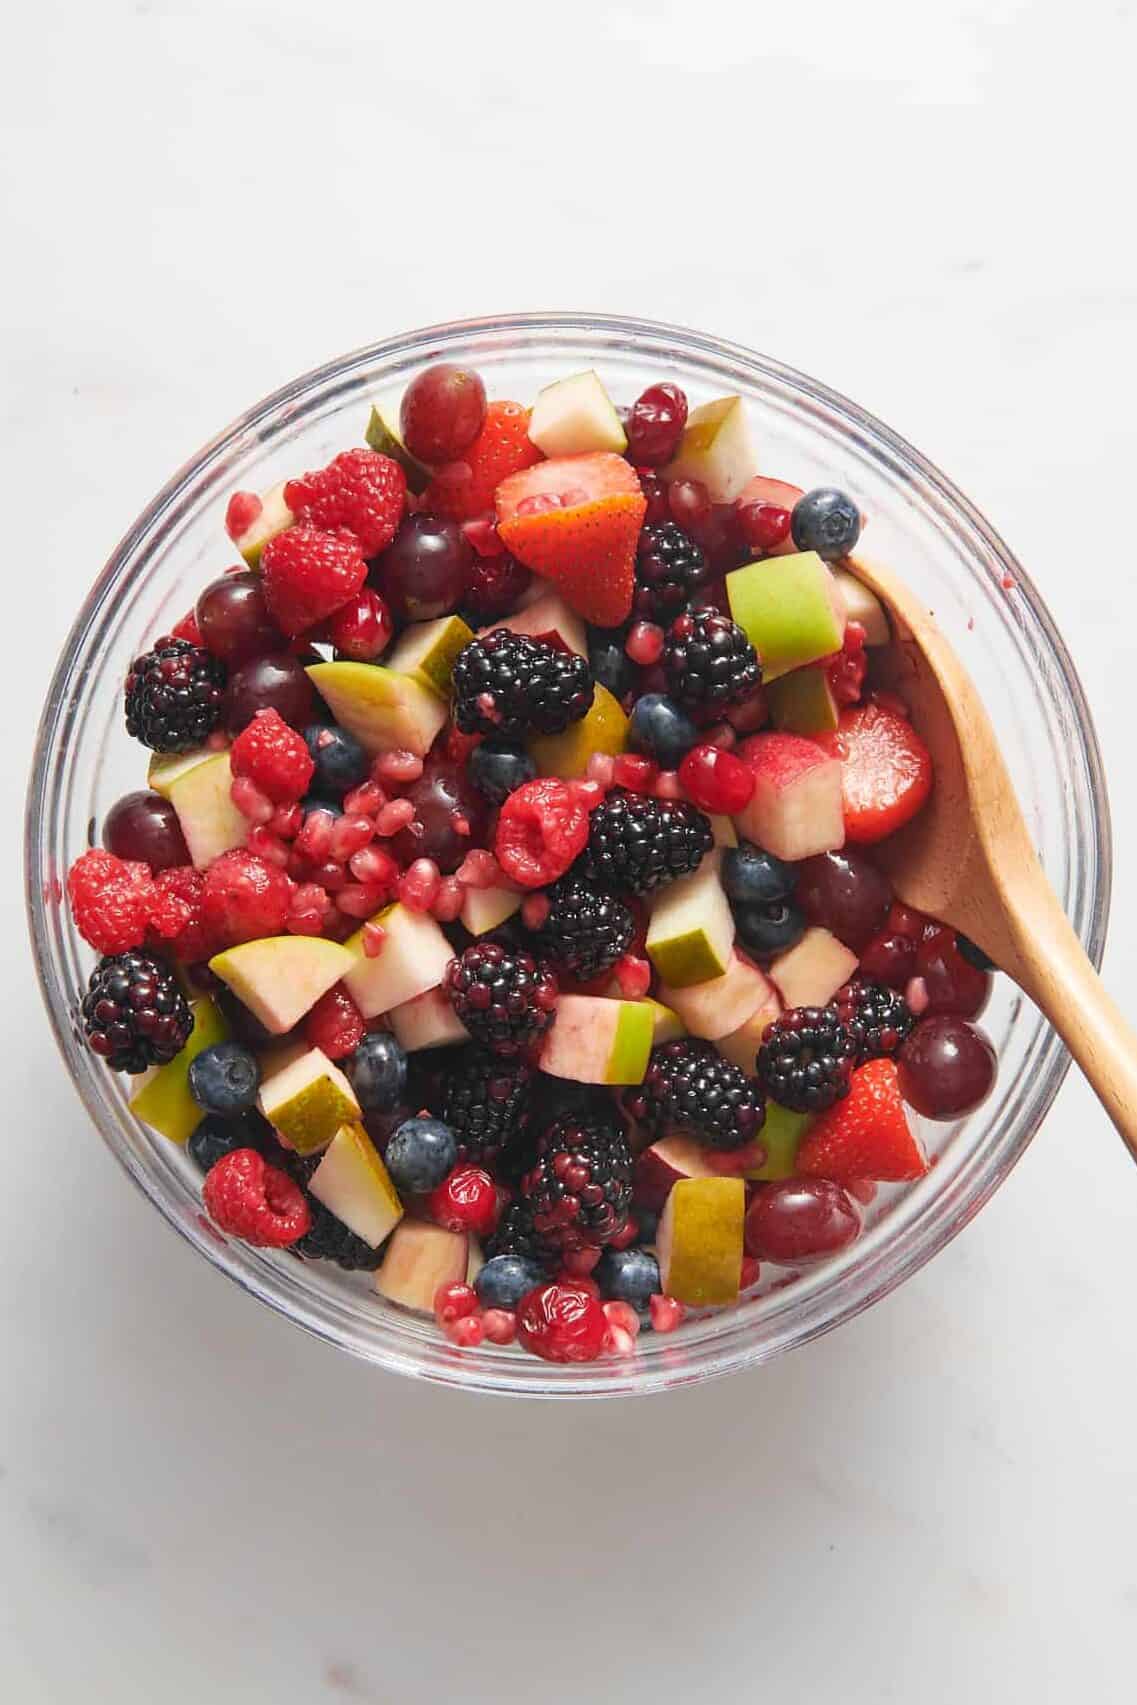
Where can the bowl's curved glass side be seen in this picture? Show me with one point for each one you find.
(806, 433)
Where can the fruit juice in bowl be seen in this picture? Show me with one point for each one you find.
(496, 945)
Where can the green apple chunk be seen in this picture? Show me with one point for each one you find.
(802, 702)
(163, 1100)
(781, 1137)
(700, 1240)
(354, 1185)
(691, 933)
(382, 709)
(666, 1024)
(419, 1258)
(412, 959)
(741, 1046)
(426, 651)
(307, 1098)
(719, 1006)
(210, 822)
(717, 449)
(484, 909)
(546, 616)
(862, 606)
(382, 435)
(603, 728)
(811, 972)
(789, 609)
(596, 1040)
(428, 1021)
(165, 767)
(281, 976)
(275, 516)
(575, 416)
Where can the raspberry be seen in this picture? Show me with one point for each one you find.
(466, 1200)
(500, 1325)
(244, 898)
(173, 695)
(562, 1323)
(193, 941)
(360, 490)
(542, 829)
(134, 1014)
(274, 757)
(848, 668)
(506, 1000)
(496, 583)
(335, 1024)
(111, 900)
(465, 489)
(362, 629)
(308, 575)
(254, 1201)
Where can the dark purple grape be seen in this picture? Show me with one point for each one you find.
(268, 683)
(442, 797)
(946, 1067)
(233, 618)
(845, 893)
(426, 569)
(145, 827)
(800, 1220)
(442, 412)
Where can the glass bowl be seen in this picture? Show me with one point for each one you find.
(919, 523)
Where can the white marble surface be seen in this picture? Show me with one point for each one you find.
(932, 212)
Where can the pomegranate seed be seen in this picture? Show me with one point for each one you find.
(350, 835)
(633, 976)
(261, 840)
(394, 816)
(330, 875)
(253, 805)
(644, 644)
(716, 781)
(534, 910)
(588, 793)
(667, 785)
(371, 864)
(362, 628)
(618, 1342)
(764, 526)
(396, 767)
(622, 1314)
(418, 885)
(636, 773)
(315, 838)
(483, 535)
(366, 800)
(601, 769)
(242, 511)
(480, 869)
(360, 899)
(916, 994)
(374, 935)
(467, 1332)
(666, 1313)
(500, 1325)
(454, 1302)
(287, 821)
(449, 900)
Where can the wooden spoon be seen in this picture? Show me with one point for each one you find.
(967, 857)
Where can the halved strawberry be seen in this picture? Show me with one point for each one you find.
(575, 520)
(465, 489)
(865, 1136)
(886, 773)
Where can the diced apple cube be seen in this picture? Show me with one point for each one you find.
(716, 448)
(412, 958)
(484, 909)
(545, 616)
(810, 973)
(420, 1257)
(700, 1240)
(210, 822)
(660, 1167)
(862, 606)
(691, 932)
(574, 417)
(281, 977)
(789, 609)
(742, 1045)
(384, 710)
(796, 809)
(354, 1185)
(427, 1021)
(719, 1006)
(597, 1040)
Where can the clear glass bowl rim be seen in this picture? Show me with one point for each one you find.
(824, 1299)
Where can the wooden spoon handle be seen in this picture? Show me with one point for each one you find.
(1054, 971)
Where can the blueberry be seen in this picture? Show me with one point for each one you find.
(752, 877)
(215, 1137)
(377, 1072)
(611, 665)
(224, 1079)
(505, 1279)
(661, 730)
(628, 1275)
(341, 763)
(764, 930)
(420, 1154)
(826, 521)
(497, 769)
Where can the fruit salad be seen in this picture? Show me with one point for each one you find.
(498, 919)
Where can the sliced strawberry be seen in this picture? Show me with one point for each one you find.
(575, 520)
(865, 1136)
(887, 770)
(464, 490)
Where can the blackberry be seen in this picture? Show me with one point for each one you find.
(670, 569)
(586, 930)
(689, 1086)
(485, 1101)
(509, 684)
(877, 1018)
(134, 1013)
(709, 662)
(636, 843)
(516, 1235)
(579, 1187)
(173, 696)
(806, 1059)
(505, 999)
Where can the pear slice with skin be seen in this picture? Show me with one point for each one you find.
(700, 1241)
(353, 1184)
(164, 1101)
(210, 822)
(384, 710)
(281, 977)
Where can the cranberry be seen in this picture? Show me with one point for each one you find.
(764, 526)
(466, 1200)
(562, 1323)
(715, 780)
(655, 425)
(946, 1067)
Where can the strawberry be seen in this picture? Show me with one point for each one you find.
(887, 770)
(867, 1135)
(360, 490)
(575, 520)
(464, 490)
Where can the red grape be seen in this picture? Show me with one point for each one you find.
(946, 1067)
(953, 984)
(846, 894)
(658, 509)
(689, 503)
(144, 826)
(268, 683)
(233, 618)
(890, 958)
(654, 425)
(426, 569)
(443, 410)
(443, 798)
(800, 1220)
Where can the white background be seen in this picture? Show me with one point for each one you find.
(927, 206)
